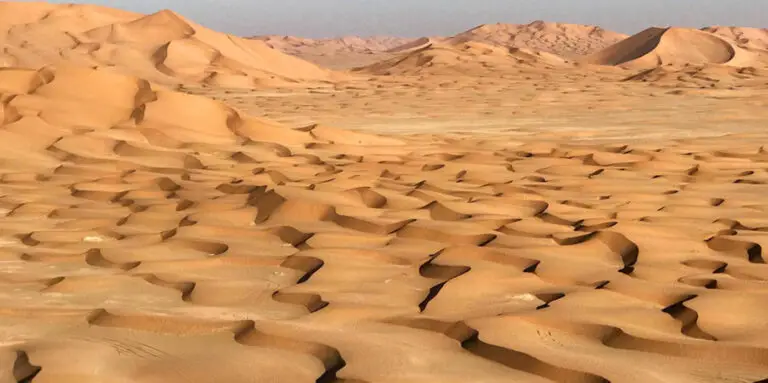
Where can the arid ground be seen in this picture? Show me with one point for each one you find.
(516, 203)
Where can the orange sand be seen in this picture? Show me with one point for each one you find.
(162, 47)
(564, 222)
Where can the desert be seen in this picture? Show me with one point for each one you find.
(538, 202)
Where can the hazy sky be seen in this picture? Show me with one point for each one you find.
(329, 18)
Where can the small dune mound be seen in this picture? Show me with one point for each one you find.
(472, 58)
(163, 47)
(655, 47)
(568, 40)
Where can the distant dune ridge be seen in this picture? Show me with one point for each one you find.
(659, 52)
(466, 58)
(496, 48)
(335, 53)
(557, 38)
(166, 48)
(298, 45)
(566, 40)
(163, 47)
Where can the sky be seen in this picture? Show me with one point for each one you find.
(415, 18)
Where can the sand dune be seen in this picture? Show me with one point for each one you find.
(468, 58)
(162, 47)
(154, 236)
(668, 57)
(567, 40)
(674, 47)
(688, 58)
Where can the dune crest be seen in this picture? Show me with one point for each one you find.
(163, 47)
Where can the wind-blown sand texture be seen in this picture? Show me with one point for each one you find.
(163, 47)
(509, 215)
(153, 236)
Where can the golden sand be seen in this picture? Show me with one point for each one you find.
(569, 223)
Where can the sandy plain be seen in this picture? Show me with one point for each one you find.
(502, 215)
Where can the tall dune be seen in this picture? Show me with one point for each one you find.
(163, 47)
(655, 47)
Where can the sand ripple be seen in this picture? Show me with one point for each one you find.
(150, 236)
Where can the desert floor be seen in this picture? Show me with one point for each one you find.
(580, 106)
(610, 232)
(568, 225)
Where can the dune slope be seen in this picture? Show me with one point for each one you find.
(163, 47)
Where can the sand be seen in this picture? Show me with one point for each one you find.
(567, 40)
(755, 38)
(553, 223)
(456, 59)
(337, 53)
(163, 47)
(564, 40)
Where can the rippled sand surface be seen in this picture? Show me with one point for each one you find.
(154, 236)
